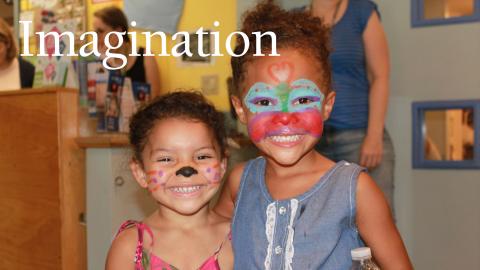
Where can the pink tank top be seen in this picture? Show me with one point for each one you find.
(148, 261)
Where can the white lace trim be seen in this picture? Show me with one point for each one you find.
(269, 230)
(289, 249)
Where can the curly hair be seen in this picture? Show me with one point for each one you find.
(189, 105)
(295, 29)
(7, 37)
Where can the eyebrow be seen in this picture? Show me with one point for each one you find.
(167, 150)
(159, 150)
(206, 148)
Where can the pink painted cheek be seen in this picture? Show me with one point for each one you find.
(213, 175)
(259, 126)
(156, 179)
(311, 121)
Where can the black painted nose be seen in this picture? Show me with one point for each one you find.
(186, 171)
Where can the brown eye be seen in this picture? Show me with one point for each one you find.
(203, 157)
(264, 102)
(304, 101)
(164, 159)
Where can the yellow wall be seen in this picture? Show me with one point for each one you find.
(195, 14)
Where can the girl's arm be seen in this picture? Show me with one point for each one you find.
(226, 202)
(122, 252)
(152, 75)
(378, 65)
(377, 228)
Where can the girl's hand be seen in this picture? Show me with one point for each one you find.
(371, 152)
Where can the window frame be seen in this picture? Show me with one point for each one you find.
(418, 131)
(417, 11)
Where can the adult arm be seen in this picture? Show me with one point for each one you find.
(377, 228)
(378, 68)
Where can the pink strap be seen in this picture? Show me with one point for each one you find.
(229, 237)
(139, 250)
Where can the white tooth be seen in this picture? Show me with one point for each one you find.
(185, 189)
(286, 138)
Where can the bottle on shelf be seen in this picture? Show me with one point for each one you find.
(362, 259)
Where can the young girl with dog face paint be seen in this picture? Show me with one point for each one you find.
(293, 208)
(179, 146)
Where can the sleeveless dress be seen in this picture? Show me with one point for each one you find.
(315, 230)
(145, 260)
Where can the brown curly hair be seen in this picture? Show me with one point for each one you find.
(189, 105)
(6, 36)
(295, 29)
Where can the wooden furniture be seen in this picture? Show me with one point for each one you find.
(42, 181)
(113, 196)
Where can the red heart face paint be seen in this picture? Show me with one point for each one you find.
(281, 72)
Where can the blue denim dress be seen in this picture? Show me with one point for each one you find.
(315, 230)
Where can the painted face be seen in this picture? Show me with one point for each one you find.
(283, 105)
(182, 172)
(285, 109)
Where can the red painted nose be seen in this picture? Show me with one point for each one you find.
(285, 118)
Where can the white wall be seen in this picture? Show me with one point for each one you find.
(438, 211)
(242, 6)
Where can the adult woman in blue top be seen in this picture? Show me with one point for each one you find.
(360, 64)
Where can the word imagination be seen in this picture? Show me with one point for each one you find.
(90, 47)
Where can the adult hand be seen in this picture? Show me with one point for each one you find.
(371, 152)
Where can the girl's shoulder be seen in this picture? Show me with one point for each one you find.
(131, 232)
(126, 238)
(123, 248)
(134, 233)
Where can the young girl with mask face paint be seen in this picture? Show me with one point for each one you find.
(293, 208)
(179, 157)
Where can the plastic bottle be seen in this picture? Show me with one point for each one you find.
(362, 259)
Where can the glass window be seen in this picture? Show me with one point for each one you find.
(435, 12)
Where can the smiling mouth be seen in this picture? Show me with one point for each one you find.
(186, 190)
(286, 138)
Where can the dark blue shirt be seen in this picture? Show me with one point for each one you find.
(349, 69)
